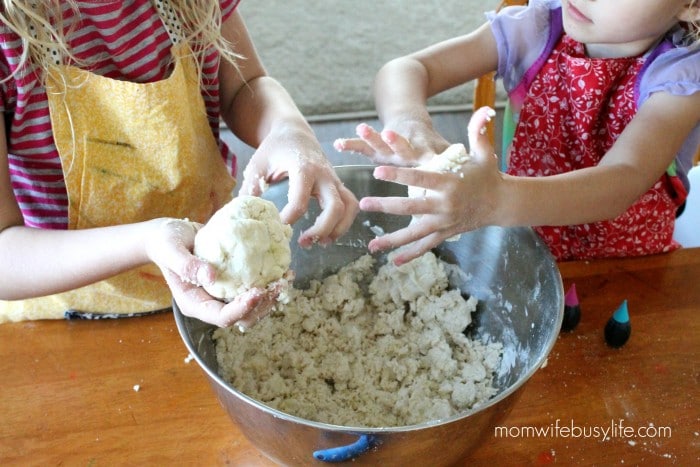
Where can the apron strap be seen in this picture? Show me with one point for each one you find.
(50, 51)
(172, 23)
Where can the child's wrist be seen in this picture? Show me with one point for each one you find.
(505, 210)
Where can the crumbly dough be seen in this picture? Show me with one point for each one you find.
(247, 243)
(388, 354)
(450, 160)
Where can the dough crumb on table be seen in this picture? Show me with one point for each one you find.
(385, 354)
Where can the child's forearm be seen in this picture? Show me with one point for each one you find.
(401, 93)
(578, 197)
(36, 262)
(261, 107)
(402, 86)
(646, 148)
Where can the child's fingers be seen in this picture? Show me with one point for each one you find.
(332, 210)
(411, 241)
(398, 144)
(479, 144)
(355, 145)
(351, 206)
(417, 248)
(299, 194)
(170, 248)
(197, 272)
(409, 176)
(373, 139)
(369, 143)
(194, 301)
(399, 238)
(385, 147)
(397, 205)
(258, 303)
(263, 301)
(253, 180)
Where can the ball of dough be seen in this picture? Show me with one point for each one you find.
(248, 245)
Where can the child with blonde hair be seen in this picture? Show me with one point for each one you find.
(606, 105)
(110, 156)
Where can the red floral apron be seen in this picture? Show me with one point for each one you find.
(575, 110)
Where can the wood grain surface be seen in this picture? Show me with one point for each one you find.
(123, 392)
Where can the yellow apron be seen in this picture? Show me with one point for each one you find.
(130, 152)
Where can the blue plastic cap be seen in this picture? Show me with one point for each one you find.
(622, 315)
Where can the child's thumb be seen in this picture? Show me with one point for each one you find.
(192, 269)
(253, 182)
(479, 144)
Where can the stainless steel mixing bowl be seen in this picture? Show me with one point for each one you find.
(521, 305)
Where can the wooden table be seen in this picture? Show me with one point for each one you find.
(123, 392)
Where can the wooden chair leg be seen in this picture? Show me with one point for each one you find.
(485, 90)
(485, 95)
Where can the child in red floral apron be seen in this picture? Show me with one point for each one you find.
(606, 102)
(112, 157)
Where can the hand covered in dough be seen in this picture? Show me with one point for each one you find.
(297, 155)
(169, 245)
(406, 143)
(445, 203)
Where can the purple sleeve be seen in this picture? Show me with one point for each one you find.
(677, 72)
(522, 35)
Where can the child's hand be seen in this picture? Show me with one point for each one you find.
(244, 311)
(264, 301)
(391, 147)
(454, 202)
(169, 246)
(298, 156)
(195, 302)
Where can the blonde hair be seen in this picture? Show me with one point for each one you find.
(693, 27)
(40, 26)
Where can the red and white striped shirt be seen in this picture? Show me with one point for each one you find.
(123, 40)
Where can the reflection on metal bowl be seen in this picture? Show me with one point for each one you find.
(521, 304)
